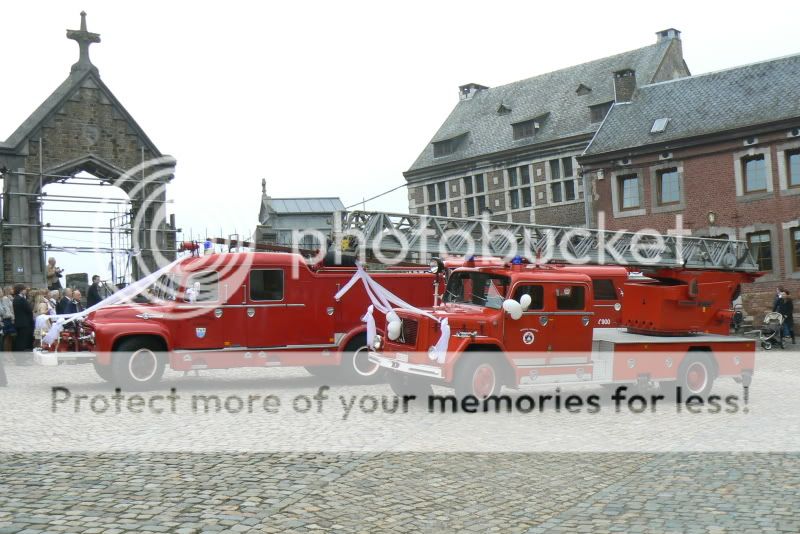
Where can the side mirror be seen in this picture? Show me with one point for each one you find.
(513, 308)
(525, 301)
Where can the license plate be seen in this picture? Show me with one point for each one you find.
(401, 357)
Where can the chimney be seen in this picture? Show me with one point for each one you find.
(624, 85)
(666, 35)
(466, 92)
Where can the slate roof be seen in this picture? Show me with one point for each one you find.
(553, 93)
(735, 98)
(306, 205)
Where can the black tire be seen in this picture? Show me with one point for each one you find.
(136, 364)
(477, 376)
(104, 371)
(406, 385)
(696, 375)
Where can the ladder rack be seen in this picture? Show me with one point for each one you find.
(449, 236)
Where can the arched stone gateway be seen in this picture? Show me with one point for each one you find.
(81, 127)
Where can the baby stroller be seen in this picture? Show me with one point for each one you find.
(770, 332)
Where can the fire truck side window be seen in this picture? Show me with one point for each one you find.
(604, 289)
(266, 284)
(536, 293)
(202, 287)
(570, 298)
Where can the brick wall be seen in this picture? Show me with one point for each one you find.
(709, 186)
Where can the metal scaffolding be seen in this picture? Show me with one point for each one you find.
(117, 233)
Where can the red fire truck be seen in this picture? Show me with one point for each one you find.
(659, 313)
(522, 324)
(241, 309)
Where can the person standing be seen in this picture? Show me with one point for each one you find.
(65, 302)
(53, 274)
(23, 321)
(76, 302)
(52, 301)
(786, 309)
(93, 296)
(7, 316)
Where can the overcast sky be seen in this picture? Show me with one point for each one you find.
(333, 98)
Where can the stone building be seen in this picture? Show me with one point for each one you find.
(512, 149)
(722, 150)
(80, 127)
(278, 218)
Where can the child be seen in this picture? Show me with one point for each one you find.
(42, 325)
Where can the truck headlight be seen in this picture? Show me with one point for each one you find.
(433, 354)
(377, 342)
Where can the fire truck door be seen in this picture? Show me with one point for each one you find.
(276, 315)
(527, 339)
(197, 324)
(572, 324)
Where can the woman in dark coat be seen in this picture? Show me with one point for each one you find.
(23, 321)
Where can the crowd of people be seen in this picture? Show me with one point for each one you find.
(27, 314)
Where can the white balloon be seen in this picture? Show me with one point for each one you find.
(513, 308)
(525, 300)
(393, 329)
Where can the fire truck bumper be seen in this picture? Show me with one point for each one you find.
(405, 367)
(49, 358)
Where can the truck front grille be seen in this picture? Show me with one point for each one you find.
(408, 334)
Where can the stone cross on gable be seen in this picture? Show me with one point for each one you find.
(84, 38)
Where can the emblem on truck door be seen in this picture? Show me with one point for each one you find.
(528, 337)
(200, 332)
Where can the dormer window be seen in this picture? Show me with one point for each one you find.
(598, 112)
(447, 147)
(525, 129)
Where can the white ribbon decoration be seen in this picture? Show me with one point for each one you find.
(371, 328)
(444, 339)
(115, 298)
(382, 300)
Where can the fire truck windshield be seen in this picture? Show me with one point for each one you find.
(164, 288)
(475, 287)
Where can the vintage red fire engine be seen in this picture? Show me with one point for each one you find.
(207, 313)
(520, 324)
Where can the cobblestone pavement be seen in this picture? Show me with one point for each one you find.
(433, 492)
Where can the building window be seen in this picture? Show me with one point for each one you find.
(562, 181)
(629, 192)
(475, 201)
(555, 169)
(598, 112)
(555, 192)
(761, 248)
(437, 196)
(755, 173)
(524, 129)
(795, 248)
(668, 183)
(519, 181)
(793, 168)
